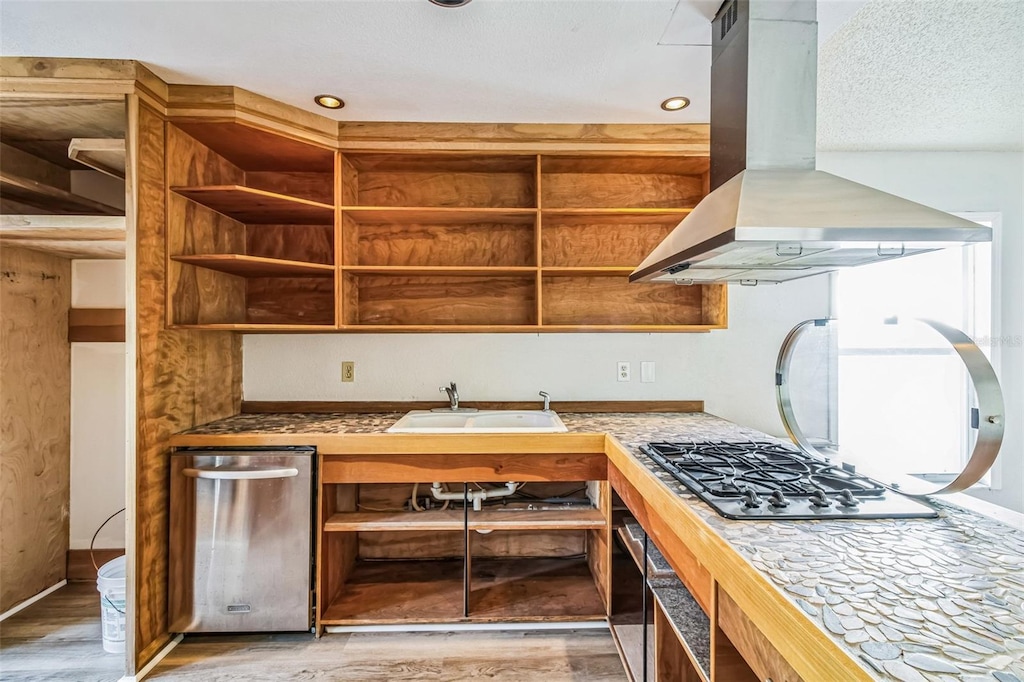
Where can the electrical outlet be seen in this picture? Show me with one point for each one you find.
(647, 371)
(348, 371)
(623, 371)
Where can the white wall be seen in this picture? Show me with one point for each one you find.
(97, 412)
(965, 182)
(732, 370)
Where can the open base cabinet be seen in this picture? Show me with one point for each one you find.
(541, 554)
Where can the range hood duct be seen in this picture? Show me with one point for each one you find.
(771, 217)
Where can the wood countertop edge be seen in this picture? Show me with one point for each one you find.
(781, 621)
(354, 444)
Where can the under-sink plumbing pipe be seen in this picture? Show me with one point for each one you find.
(477, 496)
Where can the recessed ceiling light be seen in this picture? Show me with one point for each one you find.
(450, 3)
(675, 103)
(329, 101)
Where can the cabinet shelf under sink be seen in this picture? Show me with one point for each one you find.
(452, 519)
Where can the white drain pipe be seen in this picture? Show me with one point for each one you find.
(477, 496)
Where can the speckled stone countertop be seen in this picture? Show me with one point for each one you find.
(915, 600)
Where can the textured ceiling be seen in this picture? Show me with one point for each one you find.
(894, 74)
(924, 75)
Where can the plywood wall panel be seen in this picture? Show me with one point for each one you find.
(183, 378)
(35, 422)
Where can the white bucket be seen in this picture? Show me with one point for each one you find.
(110, 581)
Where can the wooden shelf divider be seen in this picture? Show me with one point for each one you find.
(259, 207)
(244, 265)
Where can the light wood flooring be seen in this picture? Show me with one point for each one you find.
(519, 656)
(58, 638)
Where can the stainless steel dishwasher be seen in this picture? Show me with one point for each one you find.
(241, 540)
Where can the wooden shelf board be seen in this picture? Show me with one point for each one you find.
(256, 266)
(253, 149)
(442, 162)
(256, 327)
(385, 592)
(107, 155)
(452, 519)
(256, 206)
(683, 328)
(529, 328)
(625, 164)
(502, 590)
(629, 640)
(533, 589)
(614, 216)
(600, 271)
(456, 215)
(67, 236)
(421, 328)
(51, 199)
(440, 270)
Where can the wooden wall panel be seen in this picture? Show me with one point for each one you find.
(35, 422)
(183, 378)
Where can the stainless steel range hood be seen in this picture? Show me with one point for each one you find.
(771, 217)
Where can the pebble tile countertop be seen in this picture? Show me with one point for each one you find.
(915, 600)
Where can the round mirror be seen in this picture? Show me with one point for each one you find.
(913, 404)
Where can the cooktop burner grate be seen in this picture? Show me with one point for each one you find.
(769, 480)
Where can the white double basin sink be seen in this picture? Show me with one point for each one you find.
(484, 421)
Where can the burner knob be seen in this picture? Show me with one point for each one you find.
(846, 499)
(751, 499)
(778, 500)
(818, 498)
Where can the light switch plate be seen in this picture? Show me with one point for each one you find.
(622, 371)
(647, 372)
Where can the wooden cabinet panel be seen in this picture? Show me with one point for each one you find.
(690, 571)
(757, 651)
(601, 239)
(440, 238)
(404, 300)
(459, 468)
(444, 180)
(614, 301)
(622, 182)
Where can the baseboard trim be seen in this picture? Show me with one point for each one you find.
(148, 668)
(79, 563)
(469, 627)
(31, 600)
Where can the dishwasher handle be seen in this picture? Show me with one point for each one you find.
(222, 474)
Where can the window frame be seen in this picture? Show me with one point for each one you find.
(993, 479)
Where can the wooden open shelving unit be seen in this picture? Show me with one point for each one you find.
(404, 241)
(380, 564)
(250, 230)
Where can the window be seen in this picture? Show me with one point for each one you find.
(907, 399)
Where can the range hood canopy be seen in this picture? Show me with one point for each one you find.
(771, 217)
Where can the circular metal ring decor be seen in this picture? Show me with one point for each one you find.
(986, 387)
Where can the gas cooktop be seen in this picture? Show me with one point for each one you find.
(766, 480)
